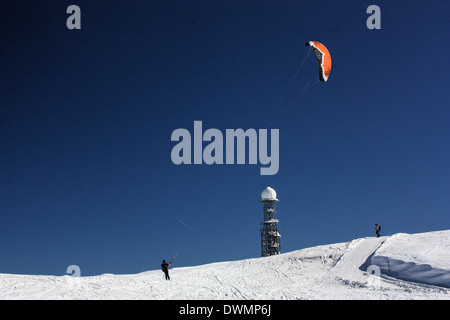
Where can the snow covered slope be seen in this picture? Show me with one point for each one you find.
(336, 271)
(422, 258)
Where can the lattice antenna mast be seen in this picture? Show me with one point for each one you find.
(270, 233)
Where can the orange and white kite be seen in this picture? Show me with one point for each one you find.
(323, 59)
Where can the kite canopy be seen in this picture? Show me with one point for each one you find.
(323, 59)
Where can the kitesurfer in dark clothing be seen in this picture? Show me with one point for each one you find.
(165, 268)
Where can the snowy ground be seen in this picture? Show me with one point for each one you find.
(419, 268)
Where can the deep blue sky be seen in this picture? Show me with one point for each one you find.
(86, 118)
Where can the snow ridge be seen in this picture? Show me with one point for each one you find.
(335, 271)
(421, 258)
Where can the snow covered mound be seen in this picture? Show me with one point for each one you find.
(336, 271)
(422, 258)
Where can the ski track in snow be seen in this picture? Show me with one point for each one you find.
(335, 271)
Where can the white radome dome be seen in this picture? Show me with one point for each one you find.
(268, 194)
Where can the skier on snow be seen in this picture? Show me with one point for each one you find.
(377, 230)
(165, 268)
